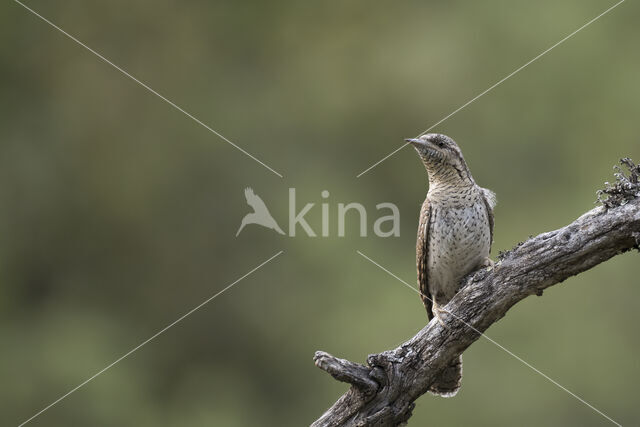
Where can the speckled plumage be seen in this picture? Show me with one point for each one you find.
(455, 233)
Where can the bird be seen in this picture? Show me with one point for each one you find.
(455, 233)
(260, 214)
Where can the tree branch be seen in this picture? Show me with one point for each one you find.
(383, 392)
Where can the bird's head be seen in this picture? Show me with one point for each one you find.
(441, 156)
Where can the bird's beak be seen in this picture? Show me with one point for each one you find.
(415, 142)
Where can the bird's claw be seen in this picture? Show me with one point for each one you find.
(437, 313)
(488, 263)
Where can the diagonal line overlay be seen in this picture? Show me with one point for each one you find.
(136, 348)
(174, 105)
(499, 82)
(496, 343)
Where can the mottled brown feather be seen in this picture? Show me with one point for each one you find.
(422, 255)
(487, 205)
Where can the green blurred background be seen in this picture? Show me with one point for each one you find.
(118, 213)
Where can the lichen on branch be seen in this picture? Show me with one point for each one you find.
(626, 187)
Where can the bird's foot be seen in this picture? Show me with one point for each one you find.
(437, 313)
(488, 263)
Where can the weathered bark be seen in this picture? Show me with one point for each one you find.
(383, 392)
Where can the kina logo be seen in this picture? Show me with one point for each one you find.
(260, 214)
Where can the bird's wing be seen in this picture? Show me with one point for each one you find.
(490, 201)
(422, 256)
(254, 200)
(249, 194)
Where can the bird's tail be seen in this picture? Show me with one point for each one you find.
(450, 380)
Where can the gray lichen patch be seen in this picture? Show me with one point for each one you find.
(626, 187)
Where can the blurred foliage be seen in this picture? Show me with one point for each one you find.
(119, 213)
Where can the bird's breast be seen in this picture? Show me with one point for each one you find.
(459, 241)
